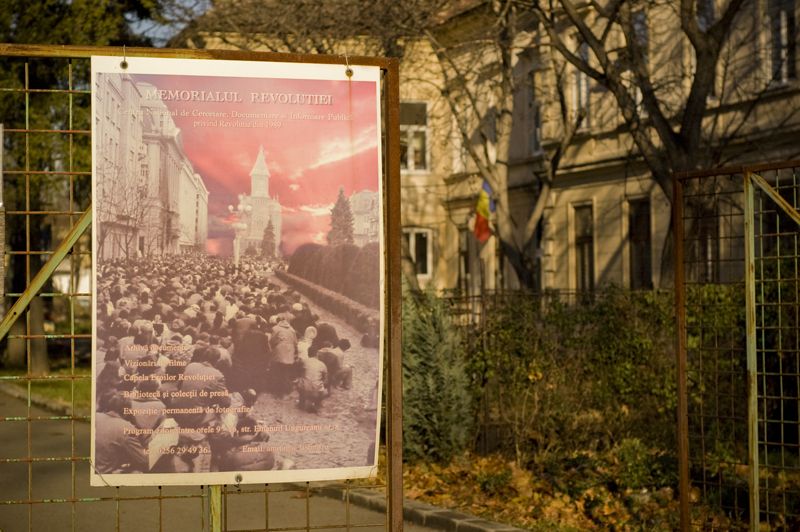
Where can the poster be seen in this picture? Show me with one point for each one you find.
(238, 272)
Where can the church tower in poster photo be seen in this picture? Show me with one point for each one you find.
(264, 209)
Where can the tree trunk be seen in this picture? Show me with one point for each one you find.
(668, 257)
(39, 361)
(15, 347)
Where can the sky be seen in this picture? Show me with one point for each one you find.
(309, 160)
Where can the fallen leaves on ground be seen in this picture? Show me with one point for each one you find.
(496, 489)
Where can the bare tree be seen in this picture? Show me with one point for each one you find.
(667, 133)
(308, 26)
(125, 207)
(687, 80)
(483, 71)
(678, 77)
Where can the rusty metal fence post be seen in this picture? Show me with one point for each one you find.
(393, 267)
(680, 315)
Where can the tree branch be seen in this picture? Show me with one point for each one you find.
(554, 160)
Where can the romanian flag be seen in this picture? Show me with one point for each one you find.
(483, 208)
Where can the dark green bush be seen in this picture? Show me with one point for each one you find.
(437, 405)
(567, 376)
(633, 465)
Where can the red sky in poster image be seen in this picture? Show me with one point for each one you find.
(308, 159)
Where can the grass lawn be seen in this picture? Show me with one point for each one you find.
(57, 387)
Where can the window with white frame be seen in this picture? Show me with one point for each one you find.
(641, 40)
(706, 14)
(469, 270)
(783, 39)
(459, 148)
(534, 119)
(641, 34)
(581, 89)
(703, 247)
(461, 155)
(414, 137)
(419, 243)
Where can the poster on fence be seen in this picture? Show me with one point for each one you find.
(238, 271)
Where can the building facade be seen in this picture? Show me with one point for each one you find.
(148, 199)
(192, 209)
(606, 219)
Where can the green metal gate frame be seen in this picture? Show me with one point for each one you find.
(213, 511)
(740, 403)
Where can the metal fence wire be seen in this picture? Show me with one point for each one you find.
(737, 294)
(44, 456)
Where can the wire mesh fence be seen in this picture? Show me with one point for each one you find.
(44, 458)
(737, 291)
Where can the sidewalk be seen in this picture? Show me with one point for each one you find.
(420, 517)
(421, 513)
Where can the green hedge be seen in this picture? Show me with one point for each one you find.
(346, 269)
(549, 375)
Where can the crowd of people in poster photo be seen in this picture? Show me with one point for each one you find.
(190, 342)
(221, 342)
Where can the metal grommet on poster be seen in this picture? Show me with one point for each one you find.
(347, 71)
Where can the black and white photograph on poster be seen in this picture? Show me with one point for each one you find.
(238, 272)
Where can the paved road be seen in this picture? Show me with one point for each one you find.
(53, 480)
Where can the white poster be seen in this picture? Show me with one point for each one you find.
(237, 239)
